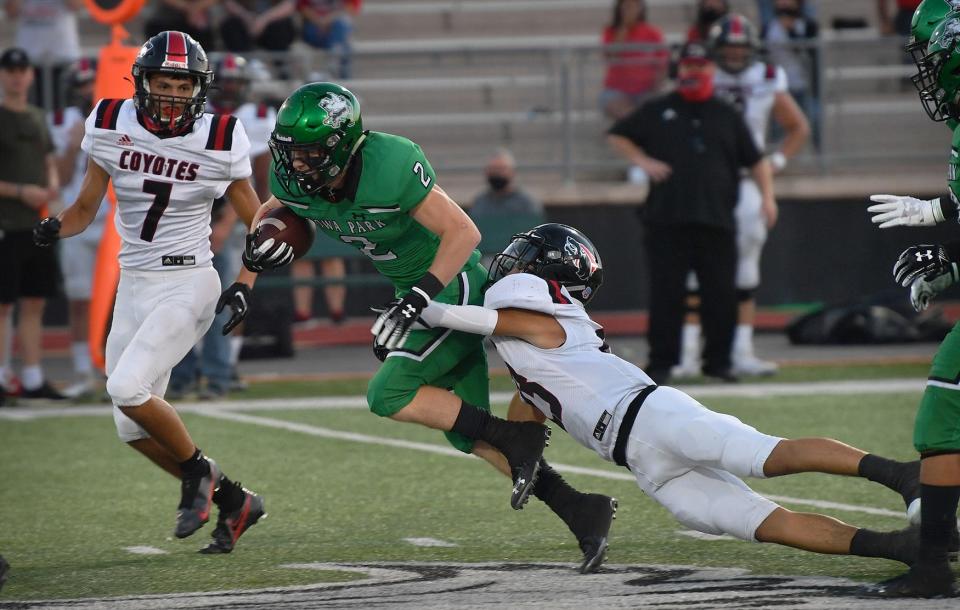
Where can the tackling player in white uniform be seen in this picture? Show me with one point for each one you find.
(759, 89)
(685, 456)
(77, 256)
(168, 161)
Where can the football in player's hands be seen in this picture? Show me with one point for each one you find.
(284, 226)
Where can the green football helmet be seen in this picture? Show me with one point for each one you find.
(318, 131)
(925, 19)
(940, 93)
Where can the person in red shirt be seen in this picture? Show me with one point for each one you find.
(632, 74)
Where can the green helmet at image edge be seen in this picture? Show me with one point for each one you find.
(939, 94)
(320, 126)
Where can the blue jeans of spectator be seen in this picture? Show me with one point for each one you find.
(336, 39)
(214, 359)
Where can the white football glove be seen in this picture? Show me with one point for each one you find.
(897, 211)
(922, 290)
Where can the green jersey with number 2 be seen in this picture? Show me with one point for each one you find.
(374, 215)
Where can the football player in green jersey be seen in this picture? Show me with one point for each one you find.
(928, 270)
(378, 192)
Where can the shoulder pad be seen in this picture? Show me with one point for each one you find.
(107, 112)
(221, 132)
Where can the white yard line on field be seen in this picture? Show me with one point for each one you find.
(618, 475)
(745, 390)
(233, 411)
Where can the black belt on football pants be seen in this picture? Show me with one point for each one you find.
(626, 425)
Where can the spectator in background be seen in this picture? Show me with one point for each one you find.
(899, 23)
(267, 24)
(47, 31)
(503, 196)
(632, 74)
(767, 11)
(693, 146)
(328, 25)
(218, 354)
(788, 40)
(708, 12)
(188, 16)
(78, 256)
(28, 183)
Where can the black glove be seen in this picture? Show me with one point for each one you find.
(926, 261)
(271, 254)
(393, 326)
(46, 232)
(237, 298)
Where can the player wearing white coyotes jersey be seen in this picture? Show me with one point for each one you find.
(685, 456)
(759, 90)
(168, 161)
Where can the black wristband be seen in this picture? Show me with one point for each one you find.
(429, 286)
(949, 207)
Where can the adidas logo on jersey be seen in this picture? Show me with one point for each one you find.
(124, 140)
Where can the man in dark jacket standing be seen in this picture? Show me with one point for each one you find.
(694, 147)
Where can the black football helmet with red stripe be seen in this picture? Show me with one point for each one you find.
(175, 54)
(233, 83)
(554, 252)
(733, 43)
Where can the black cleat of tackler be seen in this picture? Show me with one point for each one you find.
(591, 526)
(523, 452)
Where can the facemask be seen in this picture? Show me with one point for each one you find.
(696, 88)
(706, 16)
(498, 183)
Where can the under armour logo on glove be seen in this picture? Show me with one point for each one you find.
(926, 261)
(394, 325)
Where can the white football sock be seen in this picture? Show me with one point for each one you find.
(743, 341)
(690, 344)
(82, 364)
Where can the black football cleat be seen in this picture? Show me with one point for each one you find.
(591, 525)
(231, 525)
(923, 580)
(196, 499)
(523, 450)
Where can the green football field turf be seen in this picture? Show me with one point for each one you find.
(73, 498)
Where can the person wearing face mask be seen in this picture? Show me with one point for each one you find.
(708, 13)
(503, 196)
(693, 146)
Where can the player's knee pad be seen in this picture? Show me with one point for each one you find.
(126, 390)
(745, 294)
(385, 397)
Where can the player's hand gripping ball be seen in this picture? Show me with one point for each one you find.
(280, 237)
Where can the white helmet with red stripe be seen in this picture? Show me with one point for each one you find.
(733, 42)
(174, 54)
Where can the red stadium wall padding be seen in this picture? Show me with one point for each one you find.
(113, 72)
